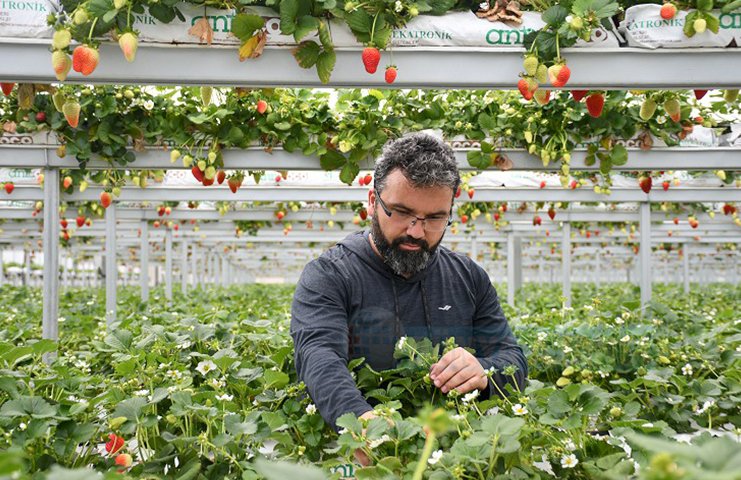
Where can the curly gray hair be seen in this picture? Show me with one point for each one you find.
(423, 159)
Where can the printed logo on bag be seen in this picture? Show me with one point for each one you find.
(507, 37)
(730, 20)
(346, 471)
(412, 37)
(220, 23)
(25, 6)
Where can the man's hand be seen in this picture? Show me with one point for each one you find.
(360, 455)
(458, 369)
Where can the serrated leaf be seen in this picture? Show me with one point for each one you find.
(130, 408)
(325, 65)
(283, 470)
(162, 12)
(689, 22)
(486, 122)
(348, 173)
(110, 15)
(288, 13)
(619, 155)
(555, 15)
(359, 21)
(245, 26)
(478, 160)
(704, 5)
(305, 25)
(307, 54)
(332, 160)
(713, 24)
(35, 407)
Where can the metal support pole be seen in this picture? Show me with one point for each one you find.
(514, 266)
(194, 266)
(50, 325)
(168, 265)
(27, 267)
(566, 263)
(144, 259)
(686, 267)
(645, 254)
(184, 266)
(111, 270)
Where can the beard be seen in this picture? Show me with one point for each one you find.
(402, 262)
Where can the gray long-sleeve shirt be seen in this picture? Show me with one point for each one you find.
(349, 304)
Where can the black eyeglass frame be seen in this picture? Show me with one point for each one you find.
(389, 213)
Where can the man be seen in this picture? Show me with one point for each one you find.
(362, 295)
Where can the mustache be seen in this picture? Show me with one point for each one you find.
(421, 242)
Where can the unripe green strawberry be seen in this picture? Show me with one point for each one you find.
(58, 99)
(187, 161)
(71, 110)
(206, 93)
(202, 165)
(80, 17)
(119, 4)
(541, 75)
(174, 155)
(700, 25)
(568, 371)
(562, 382)
(61, 40)
(730, 95)
(210, 172)
(671, 107)
(61, 63)
(129, 44)
(648, 108)
(542, 96)
(531, 64)
(576, 23)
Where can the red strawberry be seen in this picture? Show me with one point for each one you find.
(559, 74)
(542, 184)
(114, 443)
(67, 182)
(207, 182)
(105, 200)
(458, 192)
(668, 11)
(233, 183)
(527, 87)
(63, 223)
(694, 223)
(728, 209)
(537, 220)
(85, 59)
(645, 182)
(129, 43)
(390, 74)
(71, 110)
(579, 94)
(363, 213)
(9, 187)
(124, 460)
(700, 93)
(551, 213)
(161, 211)
(280, 214)
(665, 185)
(41, 117)
(221, 176)
(371, 58)
(6, 87)
(262, 106)
(595, 104)
(464, 218)
(197, 173)
(542, 96)
(367, 179)
(470, 192)
(676, 220)
(672, 108)
(497, 217)
(80, 221)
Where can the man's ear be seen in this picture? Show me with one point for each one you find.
(371, 202)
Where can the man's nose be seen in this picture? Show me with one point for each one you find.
(415, 230)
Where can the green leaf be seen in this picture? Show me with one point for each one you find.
(359, 21)
(288, 13)
(162, 12)
(332, 160)
(555, 16)
(558, 403)
(689, 20)
(605, 165)
(130, 408)
(110, 15)
(713, 24)
(619, 155)
(284, 470)
(60, 473)
(350, 422)
(325, 65)
(245, 26)
(305, 25)
(349, 172)
(705, 5)
(307, 54)
(189, 470)
(371, 473)
(34, 407)
(502, 425)
(486, 122)
(478, 160)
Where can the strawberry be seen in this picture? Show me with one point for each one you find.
(671, 107)
(124, 460)
(262, 106)
(129, 43)
(730, 95)
(371, 58)
(531, 65)
(527, 87)
(470, 192)
(694, 223)
(280, 214)
(390, 75)
(668, 11)
(9, 187)
(542, 96)
(61, 64)
(161, 211)
(665, 185)
(168, 210)
(71, 110)
(542, 184)
(648, 108)
(80, 221)
(537, 220)
(41, 117)
(88, 222)
(367, 179)
(206, 93)
(497, 216)
(156, 224)
(105, 200)
(464, 218)
(363, 213)
(67, 182)
(676, 220)
(197, 173)
(700, 93)
(558, 74)
(458, 192)
(61, 39)
(551, 213)
(63, 223)
(233, 183)
(6, 87)
(595, 104)
(221, 176)
(729, 209)
(85, 59)
(700, 25)
(579, 94)
(645, 182)
(541, 75)
(207, 182)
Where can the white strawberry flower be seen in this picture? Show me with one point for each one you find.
(687, 370)
(435, 457)
(310, 409)
(470, 396)
(519, 409)
(569, 461)
(205, 366)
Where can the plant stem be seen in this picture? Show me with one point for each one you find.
(426, 452)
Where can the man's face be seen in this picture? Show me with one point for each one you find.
(407, 248)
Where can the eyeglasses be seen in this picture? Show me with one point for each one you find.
(429, 224)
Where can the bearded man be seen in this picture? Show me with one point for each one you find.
(373, 288)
